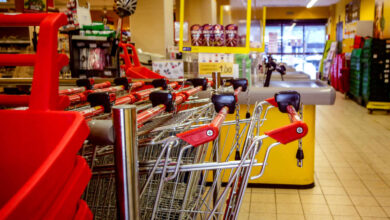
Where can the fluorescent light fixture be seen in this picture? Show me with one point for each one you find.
(311, 3)
(226, 7)
(292, 27)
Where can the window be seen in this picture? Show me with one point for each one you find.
(299, 44)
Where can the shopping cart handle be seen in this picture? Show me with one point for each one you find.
(87, 83)
(199, 82)
(284, 99)
(163, 97)
(205, 133)
(294, 131)
(103, 99)
(123, 81)
(163, 83)
(241, 82)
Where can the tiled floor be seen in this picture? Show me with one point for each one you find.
(352, 171)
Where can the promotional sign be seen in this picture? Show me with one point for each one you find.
(226, 69)
(173, 69)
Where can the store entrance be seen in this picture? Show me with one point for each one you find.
(298, 43)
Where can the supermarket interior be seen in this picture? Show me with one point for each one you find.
(195, 109)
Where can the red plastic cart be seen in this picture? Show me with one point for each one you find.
(39, 145)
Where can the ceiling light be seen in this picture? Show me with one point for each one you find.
(226, 7)
(311, 3)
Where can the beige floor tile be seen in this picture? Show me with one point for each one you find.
(370, 211)
(262, 216)
(245, 207)
(383, 201)
(338, 200)
(387, 210)
(348, 210)
(380, 191)
(263, 208)
(357, 191)
(247, 197)
(290, 217)
(328, 182)
(313, 199)
(313, 191)
(374, 218)
(243, 216)
(263, 198)
(286, 191)
(318, 217)
(287, 198)
(314, 209)
(341, 217)
(289, 208)
(330, 190)
(263, 190)
(364, 201)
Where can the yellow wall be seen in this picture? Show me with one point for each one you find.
(298, 13)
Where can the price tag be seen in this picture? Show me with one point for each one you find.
(223, 68)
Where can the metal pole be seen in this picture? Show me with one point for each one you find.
(126, 161)
(216, 79)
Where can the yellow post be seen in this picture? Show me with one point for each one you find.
(221, 15)
(248, 23)
(264, 24)
(181, 25)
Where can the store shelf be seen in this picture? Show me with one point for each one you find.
(14, 42)
(90, 38)
(197, 49)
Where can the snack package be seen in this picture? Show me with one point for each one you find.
(207, 31)
(231, 35)
(196, 35)
(218, 35)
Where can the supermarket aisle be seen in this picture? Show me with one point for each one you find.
(352, 171)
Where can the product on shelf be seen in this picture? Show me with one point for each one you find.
(231, 35)
(207, 32)
(196, 35)
(218, 35)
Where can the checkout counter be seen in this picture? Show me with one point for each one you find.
(282, 170)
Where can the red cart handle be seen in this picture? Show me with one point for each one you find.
(292, 132)
(205, 133)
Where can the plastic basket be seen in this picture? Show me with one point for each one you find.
(39, 144)
(83, 212)
(66, 202)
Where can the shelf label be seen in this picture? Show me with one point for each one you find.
(208, 68)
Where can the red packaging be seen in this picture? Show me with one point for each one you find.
(218, 35)
(196, 35)
(231, 35)
(207, 35)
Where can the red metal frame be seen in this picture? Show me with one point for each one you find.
(133, 67)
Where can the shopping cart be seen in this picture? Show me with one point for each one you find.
(180, 164)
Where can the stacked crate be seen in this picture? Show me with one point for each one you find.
(355, 73)
(376, 70)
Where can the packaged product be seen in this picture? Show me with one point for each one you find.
(231, 35)
(218, 35)
(207, 31)
(196, 35)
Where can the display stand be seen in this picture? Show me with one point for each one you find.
(235, 50)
